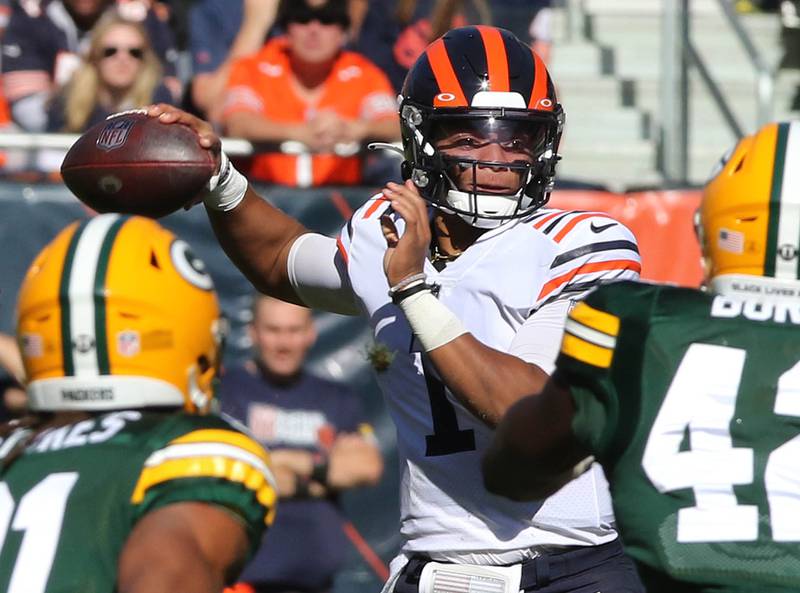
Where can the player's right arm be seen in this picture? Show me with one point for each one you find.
(200, 504)
(259, 238)
(545, 439)
(535, 433)
(187, 546)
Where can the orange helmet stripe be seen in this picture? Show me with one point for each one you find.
(496, 59)
(446, 78)
(539, 91)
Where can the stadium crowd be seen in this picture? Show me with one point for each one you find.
(321, 75)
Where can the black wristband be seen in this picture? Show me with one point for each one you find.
(319, 473)
(399, 296)
(301, 488)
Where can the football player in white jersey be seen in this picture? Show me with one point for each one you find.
(467, 279)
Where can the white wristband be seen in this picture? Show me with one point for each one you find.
(434, 324)
(226, 189)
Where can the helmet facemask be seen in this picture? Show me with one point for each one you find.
(438, 160)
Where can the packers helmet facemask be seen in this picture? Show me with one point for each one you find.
(749, 219)
(117, 313)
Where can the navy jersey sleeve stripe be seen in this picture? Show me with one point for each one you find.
(593, 248)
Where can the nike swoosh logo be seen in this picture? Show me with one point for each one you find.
(601, 228)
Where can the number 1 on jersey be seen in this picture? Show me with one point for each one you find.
(39, 515)
(447, 437)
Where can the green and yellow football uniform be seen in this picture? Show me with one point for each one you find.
(691, 402)
(68, 504)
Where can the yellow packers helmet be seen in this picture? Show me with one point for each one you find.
(749, 221)
(118, 313)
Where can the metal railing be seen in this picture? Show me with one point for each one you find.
(232, 146)
(678, 54)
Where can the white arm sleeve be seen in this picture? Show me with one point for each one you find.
(539, 338)
(318, 275)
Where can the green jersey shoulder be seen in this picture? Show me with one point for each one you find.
(90, 481)
(688, 400)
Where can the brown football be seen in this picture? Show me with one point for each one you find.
(134, 164)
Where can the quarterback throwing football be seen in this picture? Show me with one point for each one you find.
(467, 279)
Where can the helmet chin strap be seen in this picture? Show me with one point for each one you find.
(197, 396)
(757, 288)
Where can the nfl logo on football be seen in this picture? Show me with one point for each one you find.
(114, 134)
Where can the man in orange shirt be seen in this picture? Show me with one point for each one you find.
(305, 87)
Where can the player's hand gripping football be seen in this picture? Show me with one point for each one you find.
(208, 139)
(405, 256)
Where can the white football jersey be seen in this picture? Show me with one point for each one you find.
(497, 284)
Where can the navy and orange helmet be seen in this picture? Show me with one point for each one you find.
(482, 79)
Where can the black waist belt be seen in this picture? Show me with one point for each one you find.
(536, 572)
(542, 570)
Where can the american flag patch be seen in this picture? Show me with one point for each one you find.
(732, 241)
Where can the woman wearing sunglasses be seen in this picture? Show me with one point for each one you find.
(121, 71)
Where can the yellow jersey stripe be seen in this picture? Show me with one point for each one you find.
(232, 470)
(228, 437)
(590, 335)
(597, 320)
(586, 352)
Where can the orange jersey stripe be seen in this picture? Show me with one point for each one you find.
(377, 204)
(446, 78)
(539, 92)
(540, 223)
(342, 250)
(615, 264)
(571, 225)
(496, 59)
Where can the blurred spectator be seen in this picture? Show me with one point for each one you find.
(395, 32)
(5, 13)
(11, 160)
(319, 444)
(44, 39)
(530, 20)
(540, 30)
(220, 31)
(121, 72)
(177, 13)
(305, 87)
(13, 400)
